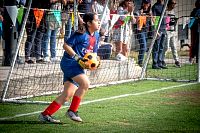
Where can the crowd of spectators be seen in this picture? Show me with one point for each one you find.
(118, 24)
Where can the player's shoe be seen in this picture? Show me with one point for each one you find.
(48, 118)
(73, 116)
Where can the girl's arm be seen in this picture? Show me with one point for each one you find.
(69, 50)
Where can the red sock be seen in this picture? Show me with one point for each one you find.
(52, 108)
(75, 103)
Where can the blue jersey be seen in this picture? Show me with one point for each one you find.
(81, 44)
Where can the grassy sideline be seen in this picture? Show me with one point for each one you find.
(171, 110)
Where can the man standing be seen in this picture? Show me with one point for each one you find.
(157, 51)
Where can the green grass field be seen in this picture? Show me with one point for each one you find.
(186, 72)
(143, 106)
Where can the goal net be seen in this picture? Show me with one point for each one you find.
(39, 78)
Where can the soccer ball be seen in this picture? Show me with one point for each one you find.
(92, 60)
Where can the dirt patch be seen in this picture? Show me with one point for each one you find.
(193, 96)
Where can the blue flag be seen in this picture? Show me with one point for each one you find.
(57, 15)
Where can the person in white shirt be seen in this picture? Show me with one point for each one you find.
(171, 33)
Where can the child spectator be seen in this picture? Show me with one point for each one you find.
(122, 31)
(171, 33)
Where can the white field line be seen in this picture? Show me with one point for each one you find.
(104, 99)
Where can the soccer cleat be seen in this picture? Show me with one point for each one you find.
(48, 118)
(73, 116)
(177, 63)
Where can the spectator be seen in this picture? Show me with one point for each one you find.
(34, 33)
(195, 33)
(171, 33)
(10, 40)
(122, 31)
(52, 29)
(157, 51)
(85, 6)
(105, 49)
(143, 26)
(98, 8)
(68, 11)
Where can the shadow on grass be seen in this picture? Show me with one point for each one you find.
(27, 122)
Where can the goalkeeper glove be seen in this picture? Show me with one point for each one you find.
(81, 61)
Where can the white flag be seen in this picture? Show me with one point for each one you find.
(12, 11)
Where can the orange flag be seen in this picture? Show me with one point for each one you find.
(38, 13)
(141, 22)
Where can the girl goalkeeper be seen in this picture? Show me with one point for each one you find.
(76, 82)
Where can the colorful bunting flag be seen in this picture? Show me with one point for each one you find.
(156, 22)
(20, 14)
(57, 15)
(1, 26)
(127, 19)
(38, 13)
(191, 22)
(141, 22)
(12, 11)
(114, 19)
(167, 23)
(73, 20)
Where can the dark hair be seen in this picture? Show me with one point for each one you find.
(88, 17)
(159, 1)
(146, 2)
(197, 4)
(170, 2)
(123, 2)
